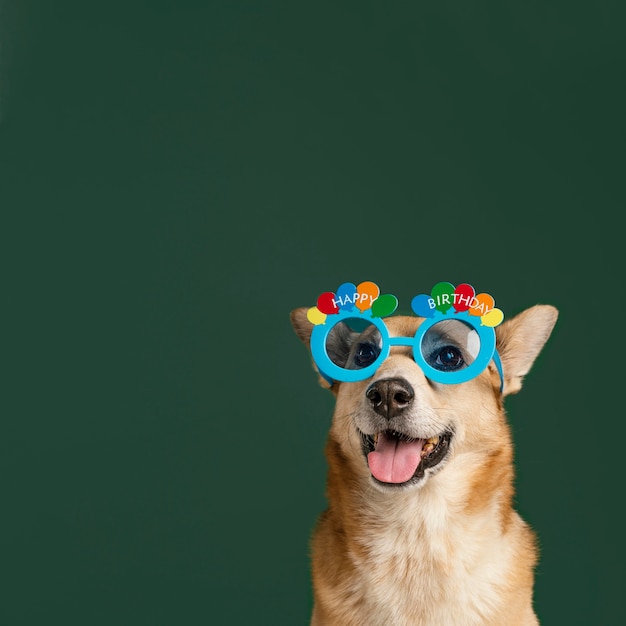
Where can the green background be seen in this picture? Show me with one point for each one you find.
(175, 177)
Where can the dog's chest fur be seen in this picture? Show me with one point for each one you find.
(419, 558)
(434, 575)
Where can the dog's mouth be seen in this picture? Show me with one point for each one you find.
(396, 459)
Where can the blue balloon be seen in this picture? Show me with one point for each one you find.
(421, 305)
(345, 296)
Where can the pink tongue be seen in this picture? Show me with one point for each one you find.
(394, 461)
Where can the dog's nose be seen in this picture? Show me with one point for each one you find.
(390, 396)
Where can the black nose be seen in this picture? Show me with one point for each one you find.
(390, 396)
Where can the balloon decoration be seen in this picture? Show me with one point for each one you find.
(443, 297)
(365, 297)
(367, 292)
(421, 305)
(492, 318)
(344, 296)
(384, 305)
(463, 295)
(326, 303)
(315, 316)
(462, 298)
(481, 304)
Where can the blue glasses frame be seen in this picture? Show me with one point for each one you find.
(333, 372)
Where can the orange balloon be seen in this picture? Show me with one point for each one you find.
(367, 293)
(481, 304)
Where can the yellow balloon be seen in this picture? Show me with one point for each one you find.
(315, 316)
(492, 318)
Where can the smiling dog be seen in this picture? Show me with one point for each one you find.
(420, 527)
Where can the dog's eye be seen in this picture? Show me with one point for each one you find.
(365, 354)
(447, 359)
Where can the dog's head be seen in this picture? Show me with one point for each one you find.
(398, 427)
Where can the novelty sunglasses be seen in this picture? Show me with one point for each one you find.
(454, 344)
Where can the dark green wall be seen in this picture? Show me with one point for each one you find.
(175, 177)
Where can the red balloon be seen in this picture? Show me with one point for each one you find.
(463, 295)
(326, 303)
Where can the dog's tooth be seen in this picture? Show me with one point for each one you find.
(433, 440)
(428, 448)
(375, 438)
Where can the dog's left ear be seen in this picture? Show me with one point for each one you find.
(520, 340)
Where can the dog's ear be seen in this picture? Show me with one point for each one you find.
(301, 325)
(338, 343)
(303, 329)
(520, 340)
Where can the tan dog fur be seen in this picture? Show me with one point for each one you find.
(450, 550)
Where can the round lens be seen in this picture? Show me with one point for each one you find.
(450, 346)
(354, 344)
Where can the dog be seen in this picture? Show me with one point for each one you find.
(429, 537)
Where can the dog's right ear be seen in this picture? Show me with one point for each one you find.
(303, 329)
(301, 325)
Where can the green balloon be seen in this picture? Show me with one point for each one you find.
(384, 305)
(443, 295)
